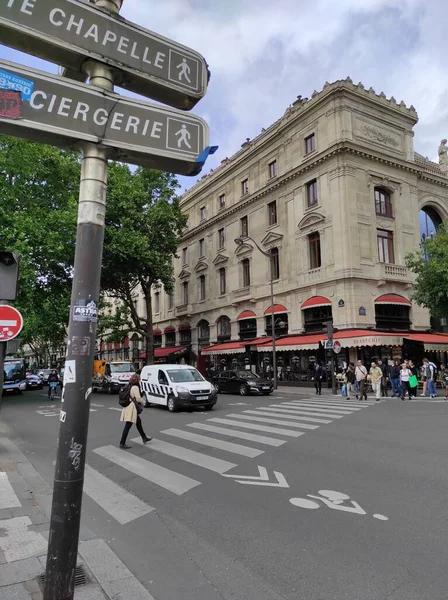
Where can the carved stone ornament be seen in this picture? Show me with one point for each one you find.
(245, 248)
(201, 266)
(272, 238)
(184, 274)
(220, 259)
(374, 134)
(311, 220)
(378, 180)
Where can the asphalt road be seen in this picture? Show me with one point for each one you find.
(196, 531)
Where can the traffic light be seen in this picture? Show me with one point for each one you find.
(328, 328)
(9, 274)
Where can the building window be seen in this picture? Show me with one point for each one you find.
(157, 302)
(202, 287)
(275, 263)
(185, 256)
(392, 316)
(311, 193)
(185, 292)
(157, 340)
(222, 201)
(201, 247)
(383, 204)
(170, 301)
(310, 143)
(221, 238)
(244, 226)
(314, 318)
(170, 338)
(203, 332)
(280, 323)
(244, 187)
(272, 168)
(246, 272)
(247, 329)
(222, 281)
(314, 246)
(272, 213)
(185, 335)
(202, 213)
(385, 246)
(223, 328)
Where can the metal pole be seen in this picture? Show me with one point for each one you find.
(75, 403)
(274, 358)
(2, 367)
(333, 377)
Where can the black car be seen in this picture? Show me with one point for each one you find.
(34, 382)
(242, 382)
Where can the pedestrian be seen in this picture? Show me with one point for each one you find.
(350, 378)
(394, 375)
(317, 375)
(429, 375)
(130, 414)
(385, 372)
(414, 371)
(376, 375)
(405, 374)
(361, 378)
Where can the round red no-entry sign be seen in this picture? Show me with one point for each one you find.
(11, 323)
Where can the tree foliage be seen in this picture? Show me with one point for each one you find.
(39, 191)
(430, 264)
(143, 228)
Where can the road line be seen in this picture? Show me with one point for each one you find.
(257, 427)
(195, 458)
(298, 411)
(288, 413)
(333, 409)
(214, 443)
(287, 420)
(113, 408)
(123, 506)
(330, 404)
(354, 403)
(345, 409)
(165, 478)
(251, 437)
(8, 497)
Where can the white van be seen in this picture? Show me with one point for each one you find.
(176, 386)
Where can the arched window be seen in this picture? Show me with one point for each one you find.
(383, 204)
(203, 332)
(185, 333)
(223, 329)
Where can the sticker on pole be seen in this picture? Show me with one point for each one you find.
(11, 323)
(9, 81)
(85, 310)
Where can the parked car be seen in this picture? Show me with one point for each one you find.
(242, 382)
(44, 375)
(34, 382)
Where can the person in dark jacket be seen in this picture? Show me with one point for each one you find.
(394, 374)
(414, 371)
(385, 371)
(317, 374)
(53, 377)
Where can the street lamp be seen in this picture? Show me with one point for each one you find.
(239, 241)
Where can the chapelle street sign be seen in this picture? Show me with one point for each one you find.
(54, 110)
(70, 31)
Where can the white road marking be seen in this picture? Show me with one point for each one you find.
(165, 478)
(342, 409)
(114, 408)
(344, 405)
(8, 497)
(298, 411)
(195, 458)
(261, 479)
(97, 405)
(214, 443)
(250, 437)
(256, 427)
(325, 410)
(17, 541)
(290, 413)
(287, 423)
(123, 506)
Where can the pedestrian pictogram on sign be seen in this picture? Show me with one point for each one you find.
(11, 323)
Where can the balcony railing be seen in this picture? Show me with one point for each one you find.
(395, 271)
(245, 291)
(183, 308)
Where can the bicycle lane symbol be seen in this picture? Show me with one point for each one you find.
(333, 500)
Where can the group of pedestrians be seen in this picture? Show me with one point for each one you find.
(403, 376)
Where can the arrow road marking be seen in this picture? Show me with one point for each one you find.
(261, 479)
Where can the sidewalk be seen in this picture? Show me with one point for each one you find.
(25, 505)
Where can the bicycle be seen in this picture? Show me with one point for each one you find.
(53, 390)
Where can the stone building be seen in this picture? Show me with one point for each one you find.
(333, 190)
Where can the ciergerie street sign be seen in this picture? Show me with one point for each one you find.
(71, 31)
(63, 112)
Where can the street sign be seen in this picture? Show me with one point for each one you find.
(337, 347)
(11, 323)
(70, 31)
(328, 344)
(62, 112)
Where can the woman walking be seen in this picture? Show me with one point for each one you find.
(414, 371)
(405, 374)
(130, 414)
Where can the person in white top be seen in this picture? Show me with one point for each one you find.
(376, 375)
(361, 378)
(405, 374)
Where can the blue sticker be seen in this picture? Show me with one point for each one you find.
(9, 81)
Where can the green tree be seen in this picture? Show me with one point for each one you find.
(430, 264)
(39, 191)
(144, 225)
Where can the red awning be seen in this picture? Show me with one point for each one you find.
(392, 299)
(164, 352)
(169, 329)
(437, 342)
(316, 301)
(184, 326)
(226, 348)
(292, 342)
(156, 332)
(278, 308)
(246, 314)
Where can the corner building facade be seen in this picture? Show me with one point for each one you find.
(333, 190)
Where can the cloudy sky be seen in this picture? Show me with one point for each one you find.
(264, 53)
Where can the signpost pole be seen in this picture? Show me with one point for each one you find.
(75, 407)
(2, 362)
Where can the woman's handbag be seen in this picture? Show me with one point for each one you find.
(413, 381)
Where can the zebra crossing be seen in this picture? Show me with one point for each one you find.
(248, 434)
